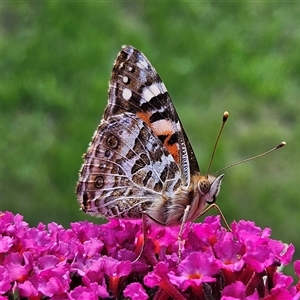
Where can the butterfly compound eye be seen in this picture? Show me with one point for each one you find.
(204, 186)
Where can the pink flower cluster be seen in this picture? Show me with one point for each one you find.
(91, 261)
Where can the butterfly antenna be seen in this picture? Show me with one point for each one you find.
(225, 117)
(282, 144)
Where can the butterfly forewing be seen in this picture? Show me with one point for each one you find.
(139, 156)
(136, 87)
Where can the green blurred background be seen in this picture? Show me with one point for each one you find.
(243, 57)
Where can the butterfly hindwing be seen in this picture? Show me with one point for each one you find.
(126, 168)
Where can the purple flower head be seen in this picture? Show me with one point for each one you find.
(115, 260)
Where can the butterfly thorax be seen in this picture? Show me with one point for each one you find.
(202, 190)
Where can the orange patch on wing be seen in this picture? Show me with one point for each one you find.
(145, 117)
(159, 128)
(173, 150)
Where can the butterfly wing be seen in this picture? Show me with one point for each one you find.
(136, 87)
(139, 154)
(125, 169)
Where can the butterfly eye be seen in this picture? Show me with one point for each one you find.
(204, 186)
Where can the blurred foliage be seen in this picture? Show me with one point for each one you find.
(237, 56)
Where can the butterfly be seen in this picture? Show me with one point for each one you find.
(140, 160)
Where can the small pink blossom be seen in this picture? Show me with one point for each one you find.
(135, 291)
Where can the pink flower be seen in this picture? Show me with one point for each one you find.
(195, 269)
(5, 281)
(91, 261)
(135, 291)
(237, 290)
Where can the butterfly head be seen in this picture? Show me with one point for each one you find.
(209, 187)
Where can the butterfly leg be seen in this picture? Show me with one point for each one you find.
(213, 205)
(144, 233)
(179, 238)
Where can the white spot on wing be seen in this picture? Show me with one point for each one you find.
(162, 126)
(151, 91)
(125, 79)
(164, 89)
(154, 89)
(147, 95)
(126, 94)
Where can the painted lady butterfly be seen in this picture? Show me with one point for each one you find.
(140, 160)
